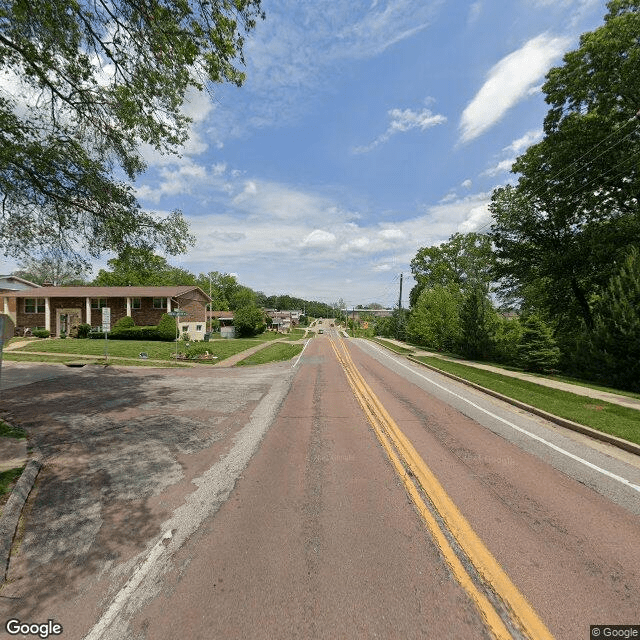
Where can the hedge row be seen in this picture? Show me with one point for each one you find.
(132, 333)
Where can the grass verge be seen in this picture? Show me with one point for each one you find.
(272, 353)
(622, 422)
(7, 481)
(7, 431)
(393, 346)
(128, 349)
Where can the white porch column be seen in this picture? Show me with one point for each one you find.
(47, 314)
(6, 306)
(129, 307)
(87, 307)
(168, 304)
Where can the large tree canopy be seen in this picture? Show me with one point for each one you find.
(465, 259)
(576, 206)
(85, 85)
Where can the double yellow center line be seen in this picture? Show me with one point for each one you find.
(515, 613)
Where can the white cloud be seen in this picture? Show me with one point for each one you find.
(508, 82)
(402, 120)
(523, 143)
(477, 218)
(393, 235)
(474, 13)
(319, 239)
(466, 184)
(512, 151)
(174, 181)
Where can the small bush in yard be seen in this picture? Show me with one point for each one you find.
(40, 333)
(83, 330)
(167, 328)
(124, 323)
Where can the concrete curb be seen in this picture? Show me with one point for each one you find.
(631, 447)
(13, 510)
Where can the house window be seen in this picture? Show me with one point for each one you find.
(98, 303)
(136, 303)
(185, 327)
(34, 305)
(159, 303)
(198, 327)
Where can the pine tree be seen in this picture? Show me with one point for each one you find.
(616, 336)
(538, 351)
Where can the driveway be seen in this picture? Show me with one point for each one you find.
(123, 449)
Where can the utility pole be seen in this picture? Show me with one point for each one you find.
(399, 325)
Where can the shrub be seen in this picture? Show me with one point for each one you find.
(40, 333)
(132, 333)
(63, 335)
(124, 323)
(83, 330)
(167, 328)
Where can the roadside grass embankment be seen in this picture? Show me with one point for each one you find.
(126, 351)
(273, 353)
(613, 419)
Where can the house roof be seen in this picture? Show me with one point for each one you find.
(228, 315)
(111, 292)
(15, 283)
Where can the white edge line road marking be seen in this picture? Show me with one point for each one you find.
(295, 364)
(125, 593)
(613, 476)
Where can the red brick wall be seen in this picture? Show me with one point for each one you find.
(145, 316)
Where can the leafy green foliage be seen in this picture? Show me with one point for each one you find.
(464, 260)
(84, 330)
(167, 327)
(574, 211)
(41, 333)
(434, 321)
(139, 266)
(478, 321)
(248, 321)
(124, 323)
(100, 80)
(537, 350)
(615, 341)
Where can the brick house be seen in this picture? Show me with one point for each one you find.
(8, 285)
(64, 308)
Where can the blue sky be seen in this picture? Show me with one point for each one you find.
(366, 129)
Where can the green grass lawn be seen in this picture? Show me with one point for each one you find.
(7, 431)
(393, 346)
(128, 349)
(597, 414)
(273, 353)
(7, 480)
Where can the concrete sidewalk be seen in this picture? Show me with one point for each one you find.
(606, 396)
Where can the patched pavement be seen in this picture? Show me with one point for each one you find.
(122, 448)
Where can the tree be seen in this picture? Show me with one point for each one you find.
(615, 341)
(248, 321)
(141, 267)
(537, 350)
(51, 267)
(94, 82)
(464, 259)
(478, 322)
(434, 321)
(574, 211)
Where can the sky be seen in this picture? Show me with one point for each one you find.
(366, 129)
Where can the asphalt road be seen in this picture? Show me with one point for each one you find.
(259, 503)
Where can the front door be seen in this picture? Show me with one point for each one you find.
(68, 321)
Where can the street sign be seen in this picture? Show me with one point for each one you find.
(177, 314)
(106, 319)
